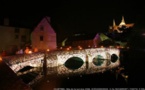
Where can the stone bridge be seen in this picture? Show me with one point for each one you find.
(89, 56)
(109, 58)
(18, 62)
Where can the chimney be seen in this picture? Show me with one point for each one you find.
(6, 21)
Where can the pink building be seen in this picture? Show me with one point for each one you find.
(43, 37)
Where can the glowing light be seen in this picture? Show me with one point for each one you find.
(126, 76)
(88, 45)
(47, 50)
(67, 48)
(0, 58)
(35, 49)
(80, 48)
(102, 46)
(127, 47)
(29, 52)
(143, 34)
(70, 47)
(117, 47)
(60, 47)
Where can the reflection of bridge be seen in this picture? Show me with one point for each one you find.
(85, 55)
(58, 59)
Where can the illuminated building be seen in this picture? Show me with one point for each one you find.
(43, 37)
(117, 35)
(120, 33)
(86, 40)
(80, 40)
(121, 28)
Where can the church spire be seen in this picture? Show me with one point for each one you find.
(114, 24)
(122, 22)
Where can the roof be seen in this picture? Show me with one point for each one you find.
(81, 37)
(87, 36)
(104, 37)
(46, 24)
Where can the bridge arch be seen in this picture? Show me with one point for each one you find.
(114, 58)
(63, 58)
(74, 63)
(18, 62)
(105, 54)
(58, 58)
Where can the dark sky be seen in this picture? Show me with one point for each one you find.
(69, 16)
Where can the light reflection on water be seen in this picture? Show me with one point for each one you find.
(89, 68)
(93, 61)
(69, 67)
(85, 68)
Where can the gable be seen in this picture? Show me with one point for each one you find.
(44, 25)
(103, 37)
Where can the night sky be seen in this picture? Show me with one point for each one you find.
(74, 16)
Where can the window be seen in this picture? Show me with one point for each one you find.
(16, 36)
(23, 38)
(41, 38)
(17, 30)
(41, 28)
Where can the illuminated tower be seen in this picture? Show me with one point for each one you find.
(114, 24)
(122, 23)
(120, 32)
(112, 28)
(115, 27)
